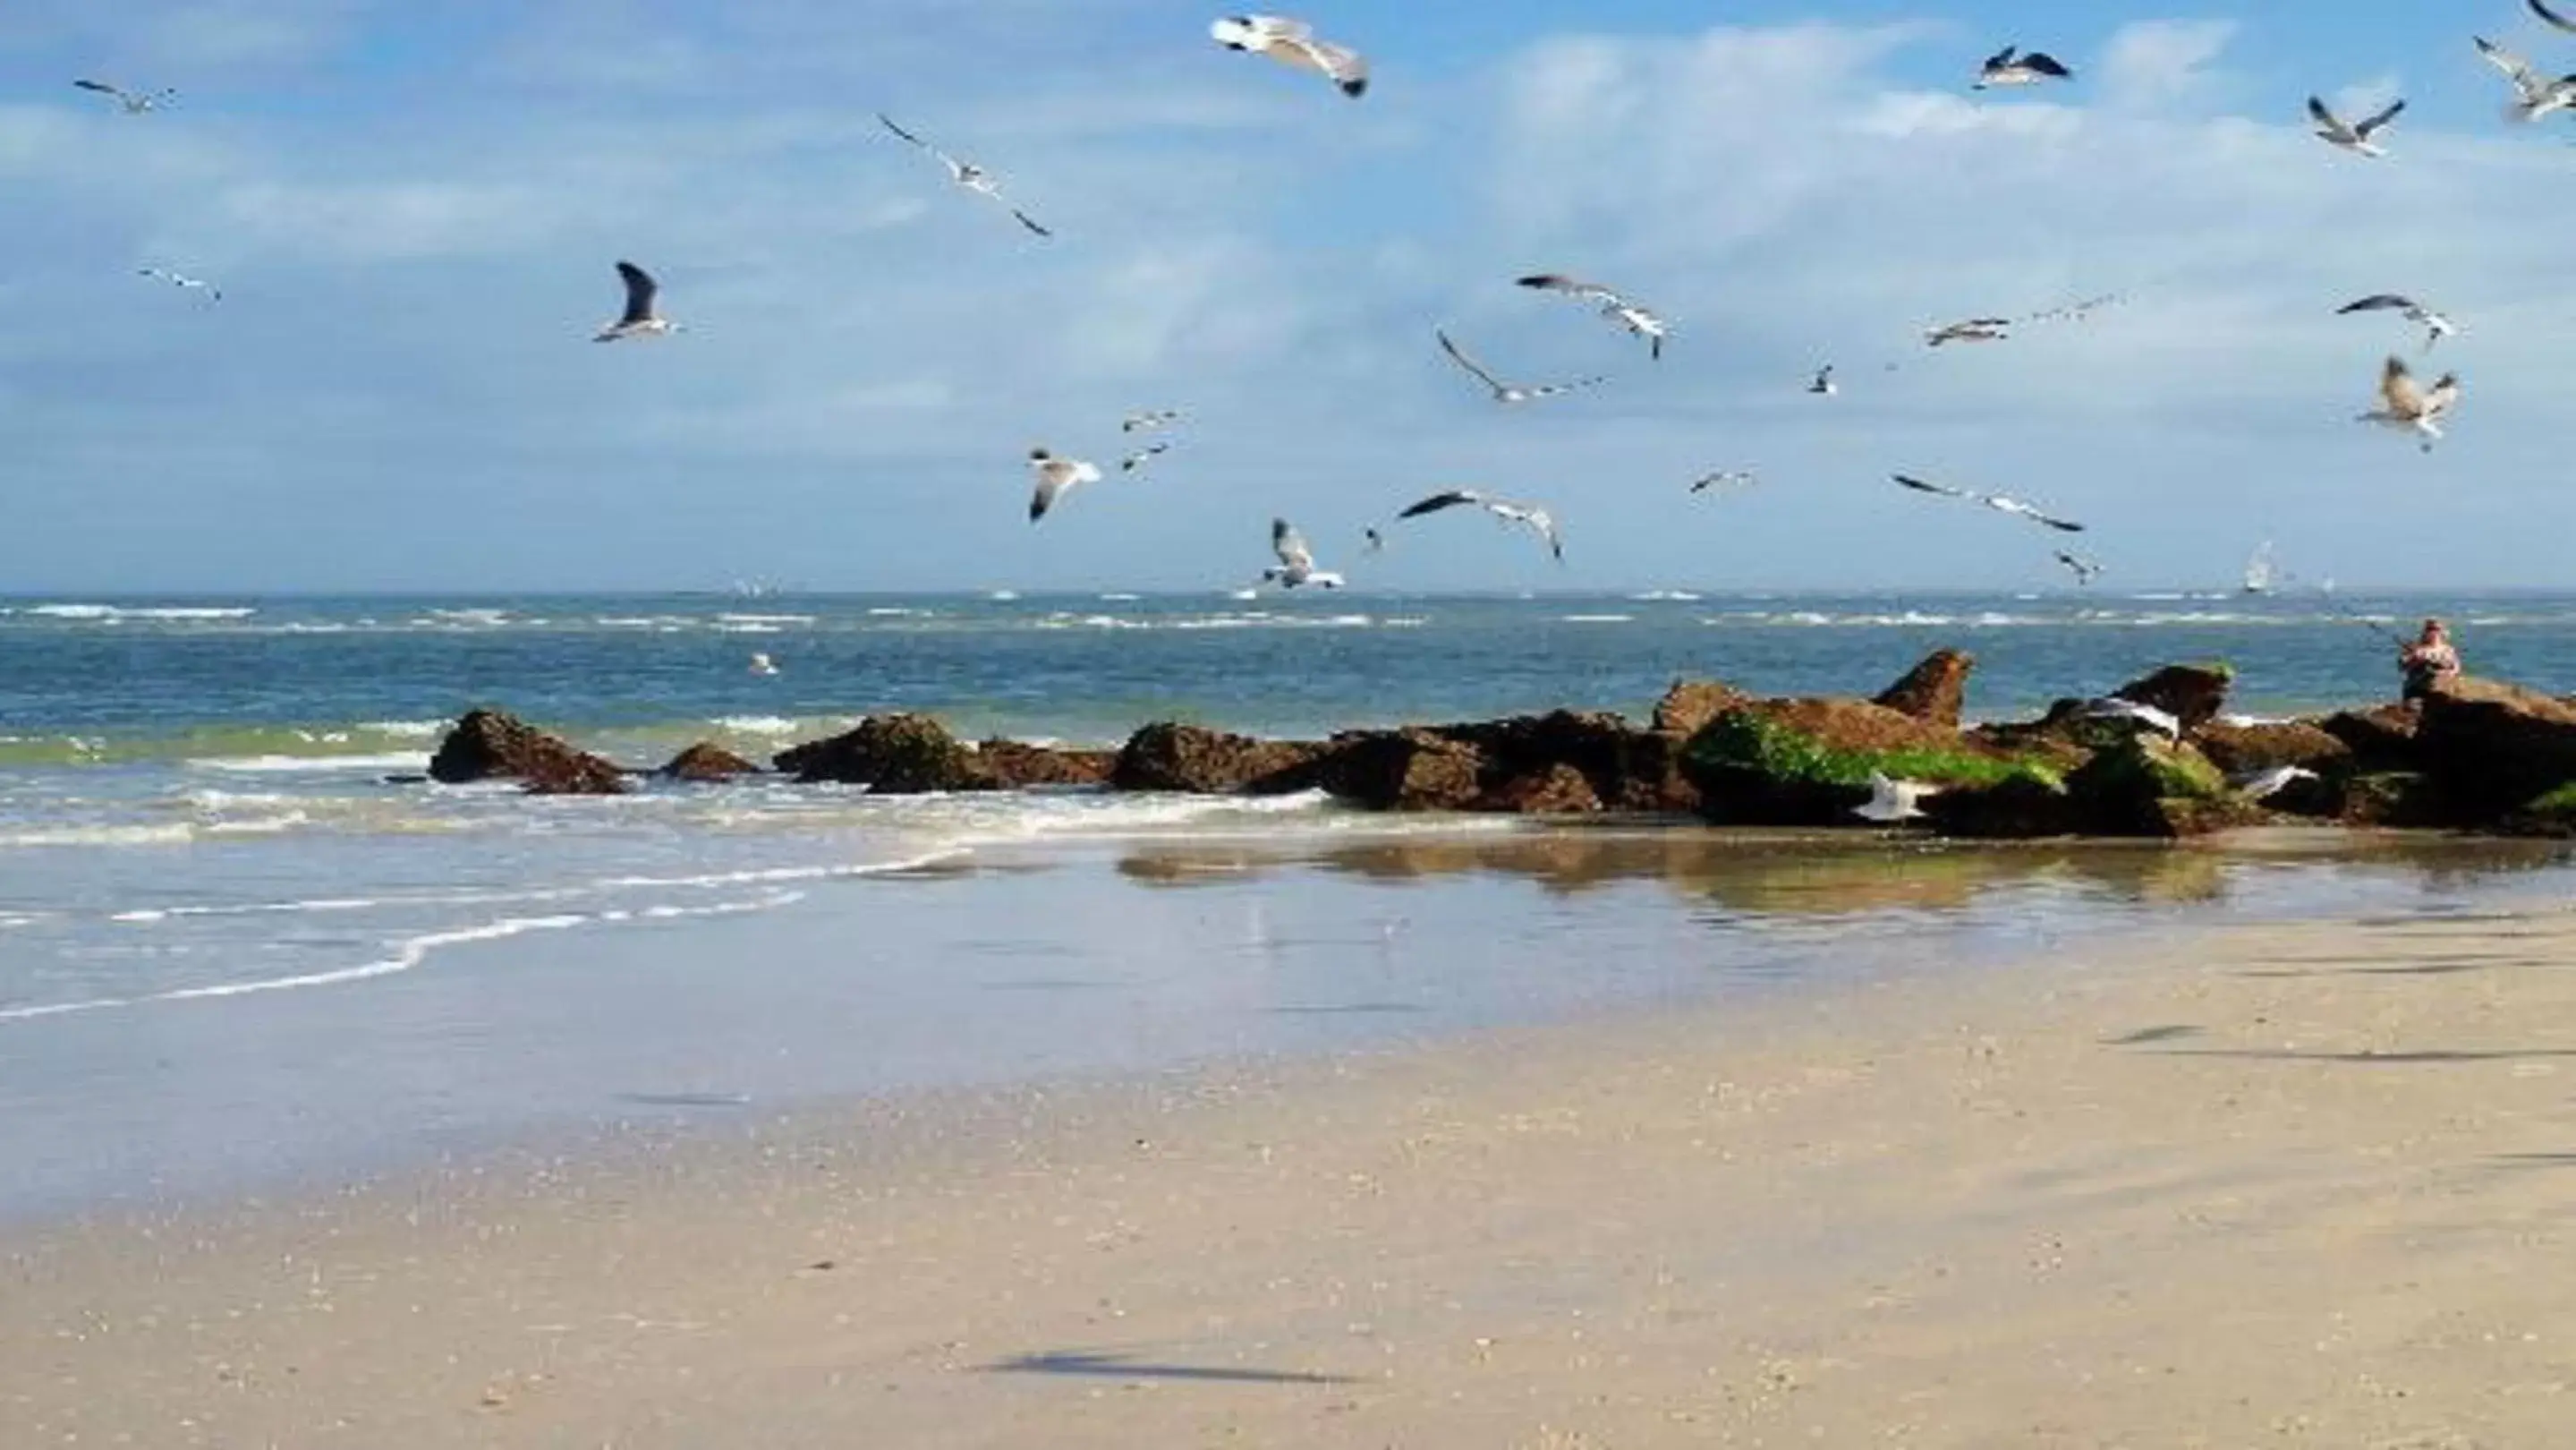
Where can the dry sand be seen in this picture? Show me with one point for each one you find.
(2306, 1185)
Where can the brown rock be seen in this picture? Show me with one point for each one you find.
(494, 745)
(1690, 704)
(1560, 790)
(1402, 770)
(707, 762)
(2397, 799)
(1174, 757)
(890, 755)
(2193, 694)
(2020, 808)
(1638, 770)
(1014, 765)
(1935, 690)
(2493, 746)
(2381, 738)
(2245, 749)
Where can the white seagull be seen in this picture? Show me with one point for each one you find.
(1508, 392)
(2085, 570)
(1529, 516)
(193, 284)
(2552, 16)
(2405, 406)
(1974, 329)
(2013, 66)
(1634, 316)
(2000, 503)
(1138, 459)
(639, 319)
(2535, 95)
(1293, 42)
(2262, 785)
(134, 103)
(2112, 707)
(762, 664)
(1823, 384)
(1731, 478)
(1296, 566)
(1055, 477)
(967, 174)
(1148, 419)
(2435, 325)
(2353, 137)
(1894, 802)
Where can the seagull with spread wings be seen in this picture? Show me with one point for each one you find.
(2013, 66)
(2000, 503)
(212, 292)
(1142, 456)
(2535, 95)
(968, 175)
(1729, 479)
(1148, 419)
(2405, 406)
(2354, 137)
(133, 103)
(1296, 566)
(1973, 329)
(2435, 325)
(640, 319)
(1529, 516)
(1509, 392)
(2085, 570)
(1637, 318)
(1293, 42)
(1054, 478)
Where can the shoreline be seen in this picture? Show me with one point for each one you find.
(2251, 1181)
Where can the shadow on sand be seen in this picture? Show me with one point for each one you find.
(1128, 1367)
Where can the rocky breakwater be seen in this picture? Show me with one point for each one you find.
(493, 745)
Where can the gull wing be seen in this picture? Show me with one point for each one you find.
(641, 289)
(1290, 546)
(2002, 503)
(2328, 119)
(1550, 390)
(955, 167)
(1545, 523)
(2047, 65)
(1459, 357)
(2001, 58)
(1025, 220)
(2364, 129)
(2515, 68)
(2445, 393)
(1438, 501)
(1575, 287)
(1278, 28)
(1721, 479)
(1345, 66)
(1919, 486)
(2397, 389)
(2378, 302)
(102, 87)
(2551, 17)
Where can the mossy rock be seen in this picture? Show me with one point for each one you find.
(2024, 807)
(2552, 814)
(2128, 789)
(1753, 767)
(2396, 798)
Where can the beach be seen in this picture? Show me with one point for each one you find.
(2199, 1183)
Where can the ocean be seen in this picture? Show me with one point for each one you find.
(228, 937)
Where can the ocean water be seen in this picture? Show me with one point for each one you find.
(200, 847)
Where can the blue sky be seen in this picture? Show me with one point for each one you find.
(413, 211)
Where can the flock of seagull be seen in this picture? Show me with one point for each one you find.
(2404, 404)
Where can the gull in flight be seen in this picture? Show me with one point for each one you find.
(2112, 707)
(1974, 329)
(639, 319)
(1528, 516)
(1375, 541)
(2353, 137)
(2000, 503)
(968, 175)
(2264, 784)
(1293, 42)
(1055, 478)
(1149, 419)
(2435, 325)
(193, 284)
(1296, 566)
(134, 103)
(2535, 95)
(2077, 311)
(2085, 570)
(1508, 392)
(1894, 802)
(1635, 317)
(1732, 478)
(2405, 406)
(1138, 459)
(2551, 16)
(2013, 66)
(1823, 384)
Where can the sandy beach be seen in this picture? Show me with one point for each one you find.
(2296, 1184)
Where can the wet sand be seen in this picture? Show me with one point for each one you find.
(2302, 1184)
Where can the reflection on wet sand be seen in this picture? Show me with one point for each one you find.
(1807, 874)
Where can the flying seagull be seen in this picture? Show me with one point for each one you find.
(1974, 329)
(1137, 459)
(2262, 785)
(2077, 311)
(1375, 541)
(1508, 392)
(1894, 802)
(1055, 478)
(2112, 707)
(1148, 419)
(2405, 406)
(134, 103)
(2535, 95)
(1729, 478)
(639, 318)
(193, 284)
(2013, 66)
(2355, 137)
(1636, 317)
(2435, 325)
(1528, 516)
(2085, 570)
(1293, 42)
(2000, 503)
(2551, 16)
(1296, 566)
(1823, 384)
(967, 174)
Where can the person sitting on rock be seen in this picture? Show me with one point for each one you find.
(2430, 663)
